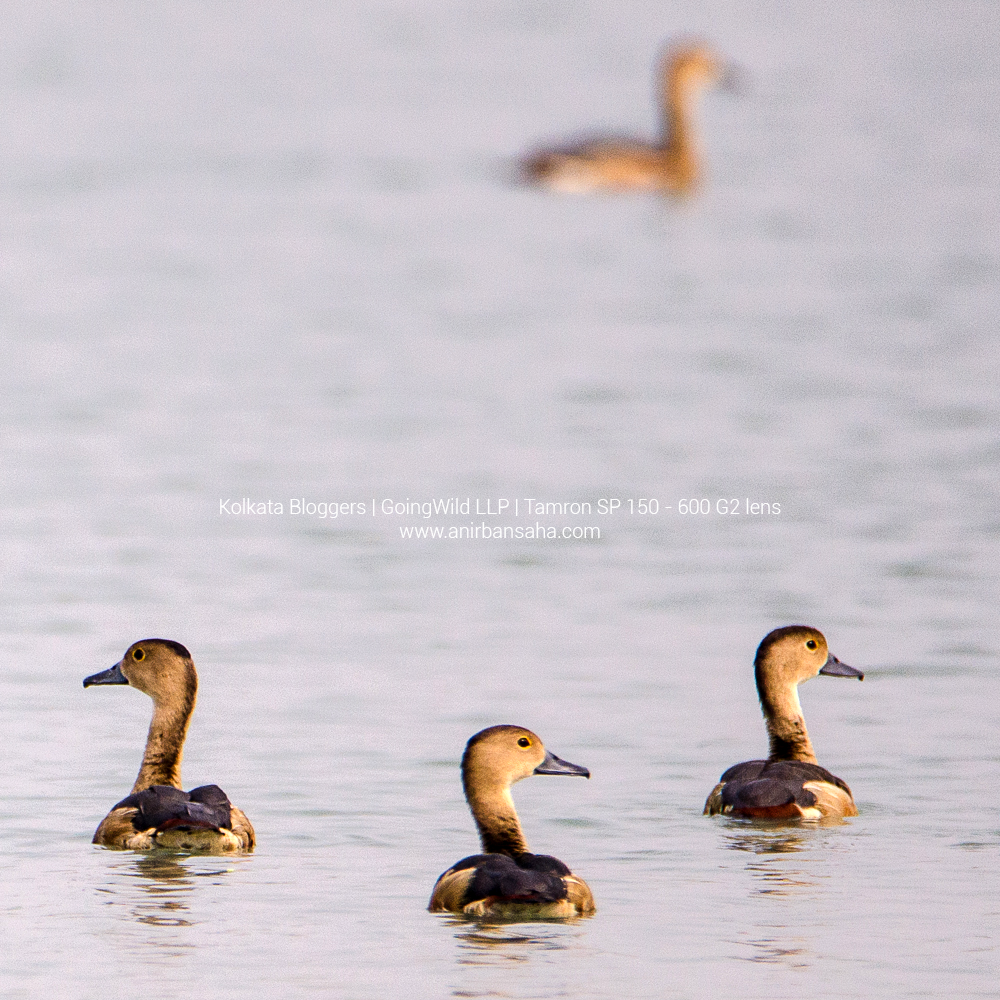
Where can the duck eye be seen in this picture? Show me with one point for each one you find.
(811, 644)
(524, 742)
(138, 654)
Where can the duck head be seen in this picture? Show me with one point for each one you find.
(788, 656)
(161, 668)
(501, 755)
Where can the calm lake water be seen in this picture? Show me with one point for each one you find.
(279, 253)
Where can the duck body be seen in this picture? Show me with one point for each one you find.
(511, 887)
(202, 820)
(782, 789)
(671, 166)
(158, 813)
(508, 881)
(609, 165)
(790, 784)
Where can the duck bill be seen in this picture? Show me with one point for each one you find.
(553, 765)
(731, 79)
(113, 675)
(834, 668)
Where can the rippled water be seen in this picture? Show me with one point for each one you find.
(280, 254)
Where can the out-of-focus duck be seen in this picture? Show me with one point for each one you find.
(672, 165)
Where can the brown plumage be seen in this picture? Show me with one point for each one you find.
(157, 813)
(672, 165)
(507, 881)
(790, 784)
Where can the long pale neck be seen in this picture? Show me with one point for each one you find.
(161, 762)
(499, 828)
(786, 726)
(678, 132)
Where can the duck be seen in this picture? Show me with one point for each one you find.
(672, 166)
(157, 813)
(507, 881)
(790, 784)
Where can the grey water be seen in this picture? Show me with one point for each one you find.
(279, 252)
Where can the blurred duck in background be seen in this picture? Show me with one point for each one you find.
(673, 165)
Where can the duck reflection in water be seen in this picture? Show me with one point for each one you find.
(792, 952)
(773, 876)
(502, 943)
(166, 885)
(756, 841)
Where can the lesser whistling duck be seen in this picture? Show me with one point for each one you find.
(507, 881)
(673, 165)
(790, 784)
(157, 813)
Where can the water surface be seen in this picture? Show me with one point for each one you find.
(280, 254)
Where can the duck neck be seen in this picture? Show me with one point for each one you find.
(161, 762)
(786, 726)
(678, 131)
(499, 828)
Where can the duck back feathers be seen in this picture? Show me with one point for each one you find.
(164, 807)
(526, 878)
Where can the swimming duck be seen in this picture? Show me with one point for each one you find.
(157, 813)
(672, 165)
(507, 880)
(790, 784)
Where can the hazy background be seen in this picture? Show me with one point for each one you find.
(275, 252)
